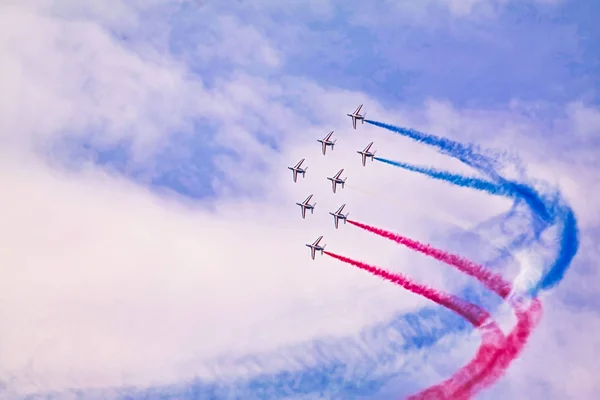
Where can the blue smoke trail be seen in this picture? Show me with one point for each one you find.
(506, 189)
(550, 210)
(379, 356)
(468, 154)
(569, 244)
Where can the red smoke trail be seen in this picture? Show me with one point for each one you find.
(496, 361)
(492, 281)
(492, 342)
(472, 313)
(490, 363)
(527, 320)
(458, 385)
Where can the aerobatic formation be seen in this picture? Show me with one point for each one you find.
(335, 180)
(497, 349)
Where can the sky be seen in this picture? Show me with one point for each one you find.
(151, 245)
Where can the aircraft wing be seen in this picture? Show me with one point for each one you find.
(307, 199)
(368, 147)
(299, 163)
(317, 241)
(339, 211)
(358, 110)
(328, 136)
(339, 173)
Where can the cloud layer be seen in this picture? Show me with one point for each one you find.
(149, 226)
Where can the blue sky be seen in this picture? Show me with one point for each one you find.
(178, 119)
(542, 54)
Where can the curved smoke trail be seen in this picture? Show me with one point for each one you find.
(493, 341)
(552, 209)
(337, 377)
(492, 281)
(493, 359)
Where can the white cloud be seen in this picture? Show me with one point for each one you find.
(101, 263)
(102, 279)
(224, 43)
(462, 8)
(62, 74)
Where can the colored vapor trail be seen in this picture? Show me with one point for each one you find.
(475, 374)
(469, 154)
(508, 189)
(493, 357)
(514, 343)
(552, 210)
(472, 313)
(492, 281)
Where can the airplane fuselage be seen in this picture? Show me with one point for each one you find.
(336, 219)
(324, 144)
(365, 156)
(314, 249)
(335, 182)
(296, 171)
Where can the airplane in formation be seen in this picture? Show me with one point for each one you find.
(366, 153)
(336, 179)
(338, 215)
(356, 116)
(306, 206)
(315, 247)
(297, 170)
(327, 142)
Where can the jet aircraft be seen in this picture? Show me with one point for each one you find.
(338, 215)
(336, 179)
(306, 206)
(315, 247)
(366, 153)
(356, 116)
(297, 170)
(327, 142)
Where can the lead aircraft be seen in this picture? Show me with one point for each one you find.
(356, 116)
